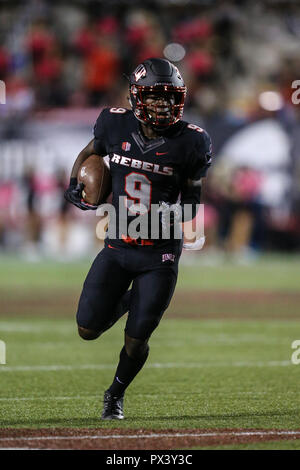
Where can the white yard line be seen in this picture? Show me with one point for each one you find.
(83, 397)
(153, 395)
(151, 436)
(166, 365)
(23, 448)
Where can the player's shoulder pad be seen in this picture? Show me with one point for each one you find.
(111, 114)
(108, 119)
(200, 149)
(199, 137)
(198, 132)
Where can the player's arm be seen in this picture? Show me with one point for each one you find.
(96, 146)
(191, 197)
(73, 193)
(83, 155)
(198, 166)
(185, 210)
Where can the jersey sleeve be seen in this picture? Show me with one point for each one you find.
(100, 142)
(200, 158)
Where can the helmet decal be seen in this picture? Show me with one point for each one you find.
(139, 72)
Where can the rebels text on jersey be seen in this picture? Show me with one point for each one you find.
(149, 171)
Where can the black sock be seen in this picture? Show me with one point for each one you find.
(127, 369)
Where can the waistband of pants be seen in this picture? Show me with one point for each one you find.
(162, 244)
(137, 241)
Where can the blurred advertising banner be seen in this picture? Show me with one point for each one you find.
(44, 142)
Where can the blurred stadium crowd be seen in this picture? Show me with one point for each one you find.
(62, 61)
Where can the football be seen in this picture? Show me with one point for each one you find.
(95, 175)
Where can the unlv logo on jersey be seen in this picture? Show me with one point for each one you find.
(139, 72)
(168, 257)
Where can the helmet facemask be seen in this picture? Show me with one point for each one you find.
(166, 108)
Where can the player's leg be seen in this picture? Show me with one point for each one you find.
(151, 295)
(121, 309)
(104, 297)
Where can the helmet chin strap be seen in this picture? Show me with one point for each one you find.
(152, 122)
(159, 129)
(151, 127)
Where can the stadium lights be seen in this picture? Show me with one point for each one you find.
(271, 100)
(174, 52)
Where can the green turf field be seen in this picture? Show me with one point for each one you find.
(221, 357)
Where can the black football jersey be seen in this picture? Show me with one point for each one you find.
(148, 171)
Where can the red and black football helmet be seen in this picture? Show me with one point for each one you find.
(157, 76)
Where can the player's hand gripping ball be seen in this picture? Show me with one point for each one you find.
(92, 185)
(73, 194)
(95, 177)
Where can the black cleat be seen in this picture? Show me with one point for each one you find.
(112, 406)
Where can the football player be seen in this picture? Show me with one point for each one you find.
(155, 157)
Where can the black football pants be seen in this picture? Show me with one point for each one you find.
(153, 276)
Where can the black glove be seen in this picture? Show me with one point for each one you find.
(73, 194)
(170, 214)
